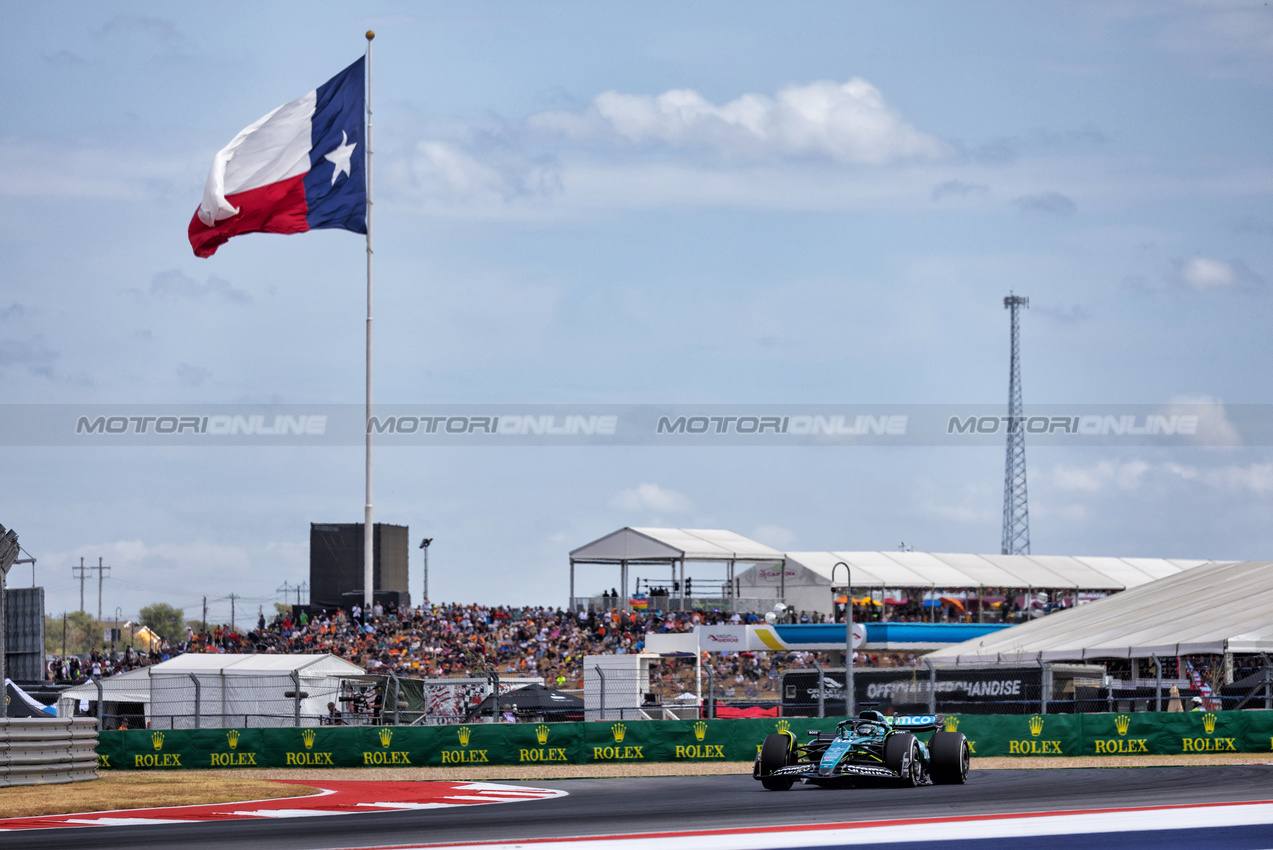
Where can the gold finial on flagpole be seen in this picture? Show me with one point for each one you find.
(370, 35)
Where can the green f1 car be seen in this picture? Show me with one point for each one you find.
(870, 745)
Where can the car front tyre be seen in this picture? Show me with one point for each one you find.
(948, 758)
(775, 754)
(901, 755)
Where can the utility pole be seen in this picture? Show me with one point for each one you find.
(63, 635)
(79, 572)
(205, 614)
(1016, 511)
(100, 572)
(232, 598)
(424, 544)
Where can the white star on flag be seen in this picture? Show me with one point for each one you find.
(340, 156)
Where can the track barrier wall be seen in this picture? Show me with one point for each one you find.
(1061, 735)
(36, 751)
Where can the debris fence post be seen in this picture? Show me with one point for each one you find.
(101, 704)
(602, 677)
(932, 686)
(198, 702)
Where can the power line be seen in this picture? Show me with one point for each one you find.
(81, 572)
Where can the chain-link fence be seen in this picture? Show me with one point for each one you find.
(648, 687)
(797, 684)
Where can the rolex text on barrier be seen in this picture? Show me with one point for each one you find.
(1038, 735)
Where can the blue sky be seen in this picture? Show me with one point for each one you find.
(633, 204)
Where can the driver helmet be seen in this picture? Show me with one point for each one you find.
(871, 715)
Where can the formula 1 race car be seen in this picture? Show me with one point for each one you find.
(869, 745)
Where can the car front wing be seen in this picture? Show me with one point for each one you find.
(812, 770)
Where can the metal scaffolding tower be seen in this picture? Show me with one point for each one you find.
(1016, 510)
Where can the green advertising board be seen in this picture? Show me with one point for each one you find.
(627, 741)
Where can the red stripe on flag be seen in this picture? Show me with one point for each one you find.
(277, 208)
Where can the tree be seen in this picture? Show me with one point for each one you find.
(83, 634)
(163, 619)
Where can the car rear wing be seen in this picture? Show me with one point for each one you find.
(918, 722)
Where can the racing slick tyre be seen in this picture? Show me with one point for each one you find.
(774, 754)
(901, 755)
(948, 758)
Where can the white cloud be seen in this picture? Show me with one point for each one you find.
(651, 498)
(846, 122)
(178, 573)
(1256, 478)
(975, 505)
(1203, 274)
(32, 353)
(192, 376)
(1214, 426)
(773, 535)
(1232, 30)
(175, 284)
(1093, 479)
(1047, 203)
(446, 170)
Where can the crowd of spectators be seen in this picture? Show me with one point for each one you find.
(450, 640)
(73, 669)
(550, 643)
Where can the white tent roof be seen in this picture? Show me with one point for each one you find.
(254, 663)
(1209, 609)
(1050, 572)
(134, 685)
(673, 544)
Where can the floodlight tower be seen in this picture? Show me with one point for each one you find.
(1016, 511)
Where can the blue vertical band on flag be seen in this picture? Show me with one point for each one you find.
(336, 185)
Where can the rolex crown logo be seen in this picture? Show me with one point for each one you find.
(783, 726)
(1209, 722)
(233, 738)
(1121, 722)
(386, 735)
(463, 733)
(541, 734)
(618, 730)
(308, 737)
(1036, 725)
(700, 730)
(951, 724)
(157, 738)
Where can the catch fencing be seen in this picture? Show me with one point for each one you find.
(639, 687)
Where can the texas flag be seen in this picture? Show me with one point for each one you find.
(301, 167)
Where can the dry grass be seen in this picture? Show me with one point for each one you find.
(141, 791)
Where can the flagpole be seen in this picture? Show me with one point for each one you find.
(368, 571)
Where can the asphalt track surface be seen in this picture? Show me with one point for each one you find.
(660, 804)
